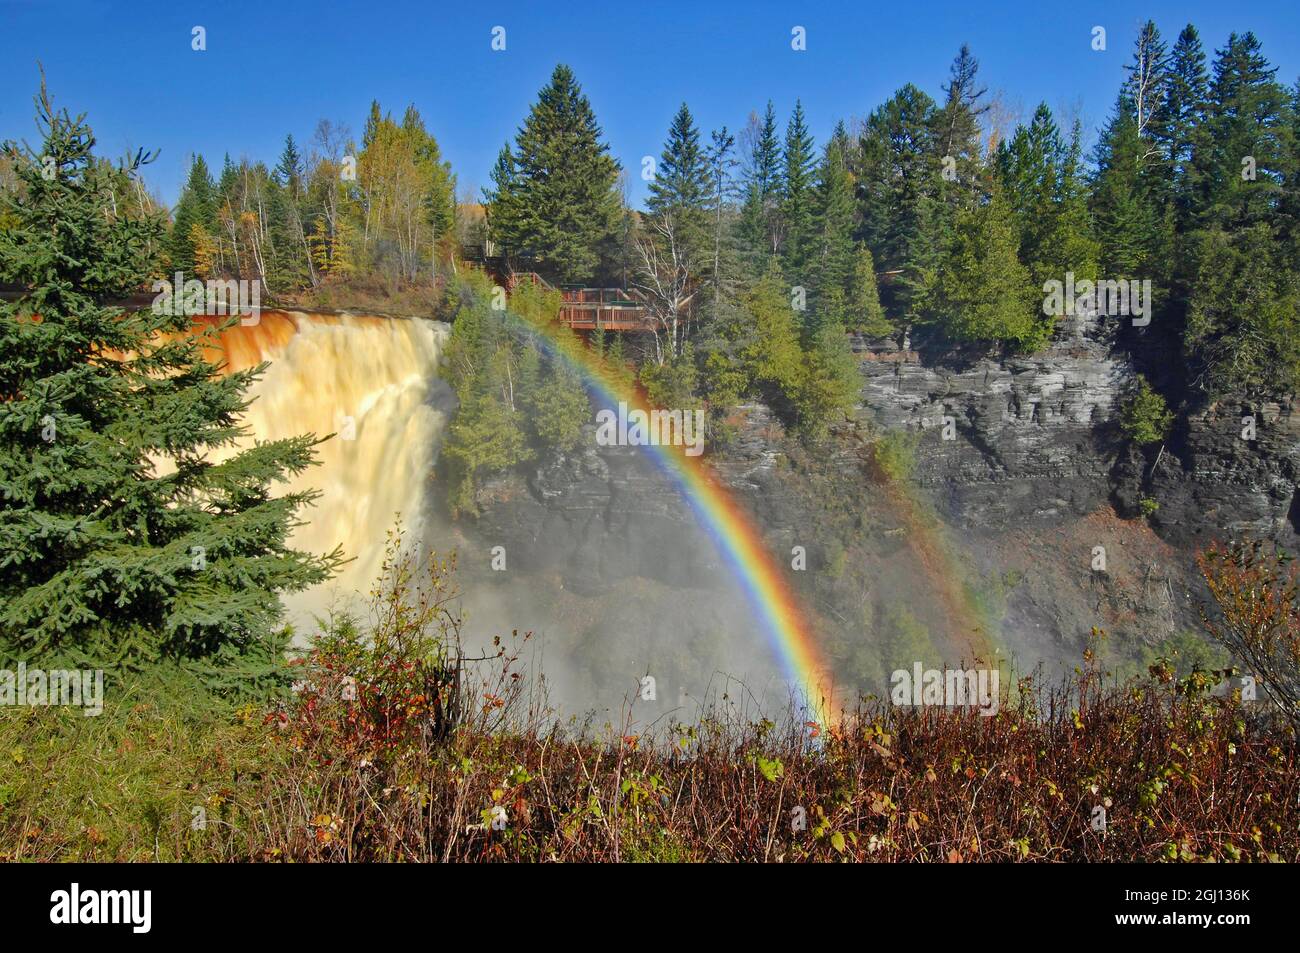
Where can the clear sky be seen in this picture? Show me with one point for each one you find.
(271, 68)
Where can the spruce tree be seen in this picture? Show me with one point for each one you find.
(983, 293)
(863, 312)
(563, 206)
(720, 161)
(197, 206)
(1239, 165)
(1125, 204)
(1243, 325)
(957, 138)
(760, 219)
(120, 540)
(798, 167)
(680, 188)
(289, 170)
(1186, 93)
(836, 219)
(898, 189)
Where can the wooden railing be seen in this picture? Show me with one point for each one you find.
(591, 309)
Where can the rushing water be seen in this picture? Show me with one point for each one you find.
(373, 382)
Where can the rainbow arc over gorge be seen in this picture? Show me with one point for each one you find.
(775, 605)
(763, 579)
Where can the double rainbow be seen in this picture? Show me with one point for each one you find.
(763, 579)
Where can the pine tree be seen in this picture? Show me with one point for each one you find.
(1238, 165)
(897, 186)
(798, 167)
(1186, 93)
(119, 540)
(197, 206)
(983, 293)
(836, 219)
(760, 219)
(863, 312)
(563, 205)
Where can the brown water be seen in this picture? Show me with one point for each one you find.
(373, 382)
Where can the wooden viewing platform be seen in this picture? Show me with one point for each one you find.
(595, 309)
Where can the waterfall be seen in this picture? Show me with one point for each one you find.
(373, 382)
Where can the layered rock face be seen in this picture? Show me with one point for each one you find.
(1027, 438)
(1224, 480)
(1021, 458)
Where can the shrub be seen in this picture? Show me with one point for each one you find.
(1144, 416)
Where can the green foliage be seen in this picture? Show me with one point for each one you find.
(983, 293)
(519, 391)
(119, 540)
(831, 383)
(798, 222)
(559, 409)
(1144, 416)
(895, 454)
(553, 196)
(773, 357)
(1243, 327)
(899, 172)
(197, 206)
(759, 218)
(681, 185)
(864, 313)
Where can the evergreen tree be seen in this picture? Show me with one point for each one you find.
(897, 186)
(119, 540)
(680, 188)
(798, 167)
(836, 220)
(720, 162)
(197, 206)
(831, 383)
(863, 311)
(563, 207)
(289, 170)
(1186, 93)
(1125, 204)
(772, 357)
(373, 119)
(983, 293)
(760, 218)
(559, 408)
(1238, 165)
(1042, 180)
(957, 137)
(1243, 325)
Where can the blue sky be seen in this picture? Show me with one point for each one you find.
(272, 68)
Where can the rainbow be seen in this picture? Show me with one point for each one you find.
(763, 580)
